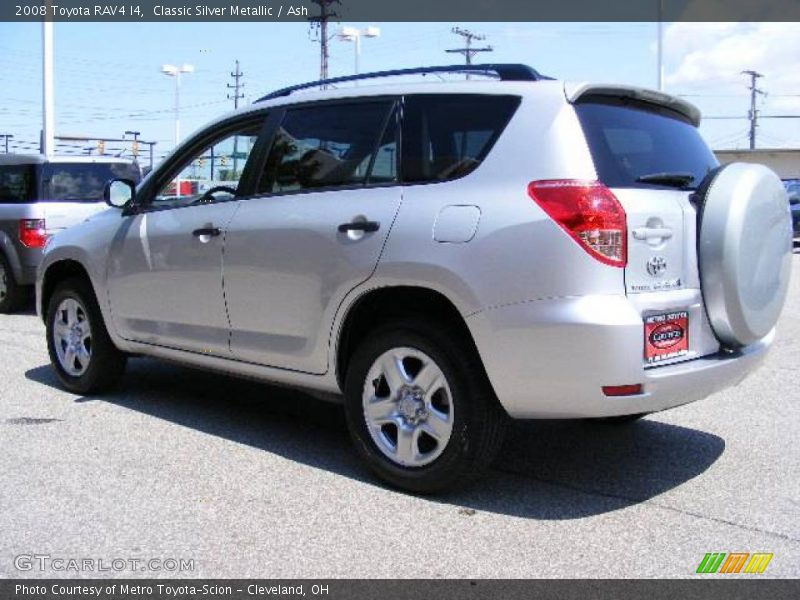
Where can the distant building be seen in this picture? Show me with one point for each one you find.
(784, 161)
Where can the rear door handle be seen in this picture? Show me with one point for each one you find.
(367, 226)
(650, 233)
(209, 231)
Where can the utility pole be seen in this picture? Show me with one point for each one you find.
(753, 114)
(660, 46)
(236, 86)
(468, 51)
(6, 136)
(319, 25)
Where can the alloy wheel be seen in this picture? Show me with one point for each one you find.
(72, 337)
(408, 407)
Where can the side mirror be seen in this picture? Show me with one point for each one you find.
(119, 192)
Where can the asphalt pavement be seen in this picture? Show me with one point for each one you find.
(240, 479)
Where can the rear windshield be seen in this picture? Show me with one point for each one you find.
(17, 183)
(630, 139)
(76, 182)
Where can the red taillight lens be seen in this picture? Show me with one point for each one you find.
(587, 211)
(623, 390)
(32, 233)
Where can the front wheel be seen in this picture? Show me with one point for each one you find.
(81, 351)
(420, 409)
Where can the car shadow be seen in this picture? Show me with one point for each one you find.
(552, 470)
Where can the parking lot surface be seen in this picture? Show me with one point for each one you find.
(251, 480)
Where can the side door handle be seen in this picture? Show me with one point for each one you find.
(206, 231)
(366, 226)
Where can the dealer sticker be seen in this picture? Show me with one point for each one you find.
(666, 336)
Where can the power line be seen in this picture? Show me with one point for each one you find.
(319, 25)
(753, 114)
(468, 51)
(236, 86)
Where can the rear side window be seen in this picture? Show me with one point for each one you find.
(332, 146)
(17, 184)
(83, 182)
(629, 140)
(447, 136)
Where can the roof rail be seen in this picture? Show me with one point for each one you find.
(506, 72)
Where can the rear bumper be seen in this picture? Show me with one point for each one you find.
(550, 359)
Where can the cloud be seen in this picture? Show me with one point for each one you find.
(710, 57)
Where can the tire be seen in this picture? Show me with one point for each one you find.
(744, 250)
(12, 295)
(457, 405)
(74, 322)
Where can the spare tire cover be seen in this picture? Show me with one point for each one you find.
(744, 251)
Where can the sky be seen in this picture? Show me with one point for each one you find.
(108, 79)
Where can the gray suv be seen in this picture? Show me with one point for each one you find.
(441, 256)
(39, 196)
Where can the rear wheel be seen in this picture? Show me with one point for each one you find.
(81, 351)
(12, 295)
(419, 408)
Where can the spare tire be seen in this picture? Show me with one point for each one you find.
(744, 251)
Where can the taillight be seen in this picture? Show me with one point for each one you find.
(32, 233)
(589, 213)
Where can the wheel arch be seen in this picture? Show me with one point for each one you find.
(8, 250)
(388, 303)
(57, 272)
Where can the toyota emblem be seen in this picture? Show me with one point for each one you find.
(656, 265)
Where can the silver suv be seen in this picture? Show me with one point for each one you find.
(441, 255)
(41, 195)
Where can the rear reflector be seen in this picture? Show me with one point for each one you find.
(589, 213)
(32, 233)
(623, 390)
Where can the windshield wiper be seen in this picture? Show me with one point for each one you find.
(679, 180)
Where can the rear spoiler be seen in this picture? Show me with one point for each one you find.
(575, 91)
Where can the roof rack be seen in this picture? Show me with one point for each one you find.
(505, 72)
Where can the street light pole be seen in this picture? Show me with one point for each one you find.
(48, 105)
(352, 34)
(173, 71)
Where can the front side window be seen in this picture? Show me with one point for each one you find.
(213, 173)
(447, 136)
(331, 146)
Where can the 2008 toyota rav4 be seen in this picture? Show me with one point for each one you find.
(444, 254)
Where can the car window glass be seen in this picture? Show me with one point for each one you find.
(384, 166)
(447, 136)
(83, 182)
(17, 183)
(326, 146)
(628, 140)
(217, 167)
